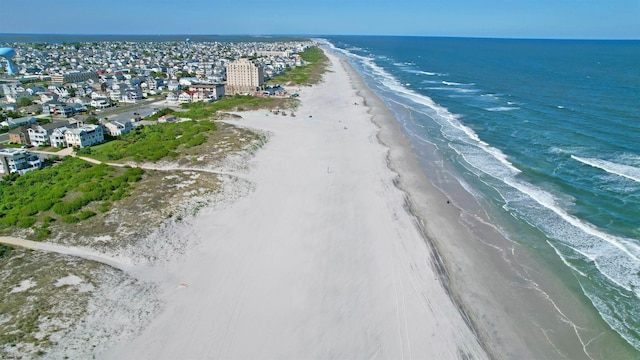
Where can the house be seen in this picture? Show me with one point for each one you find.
(173, 85)
(57, 108)
(185, 97)
(212, 91)
(118, 127)
(19, 135)
(36, 90)
(100, 103)
(18, 160)
(14, 123)
(64, 110)
(77, 107)
(86, 135)
(166, 118)
(47, 97)
(172, 97)
(39, 135)
(57, 138)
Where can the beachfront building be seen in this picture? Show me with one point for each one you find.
(40, 135)
(185, 97)
(57, 139)
(18, 161)
(86, 135)
(19, 136)
(244, 77)
(167, 118)
(118, 127)
(210, 91)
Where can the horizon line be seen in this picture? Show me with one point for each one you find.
(328, 35)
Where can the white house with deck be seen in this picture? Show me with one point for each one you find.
(86, 135)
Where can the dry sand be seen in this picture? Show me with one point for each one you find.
(323, 260)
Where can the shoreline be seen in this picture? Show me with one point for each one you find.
(518, 308)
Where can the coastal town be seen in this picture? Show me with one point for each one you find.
(70, 95)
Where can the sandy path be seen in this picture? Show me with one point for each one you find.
(322, 261)
(118, 263)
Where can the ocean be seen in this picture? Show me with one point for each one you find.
(544, 134)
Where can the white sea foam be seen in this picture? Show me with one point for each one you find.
(612, 255)
(502, 108)
(627, 171)
(450, 83)
(420, 72)
(565, 261)
(454, 89)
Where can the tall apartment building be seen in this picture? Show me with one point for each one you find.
(244, 77)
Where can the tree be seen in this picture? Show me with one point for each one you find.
(103, 86)
(25, 101)
(92, 120)
(72, 92)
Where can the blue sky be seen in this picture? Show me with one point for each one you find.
(590, 19)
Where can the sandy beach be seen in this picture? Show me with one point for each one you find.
(322, 260)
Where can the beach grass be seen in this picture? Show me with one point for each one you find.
(152, 143)
(59, 192)
(309, 74)
(34, 304)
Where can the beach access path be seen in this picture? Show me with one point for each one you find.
(322, 261)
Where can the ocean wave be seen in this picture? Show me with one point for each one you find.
(450, 83)
(453, 89)
(420, 72)
(613, 256)
(626, 171)
(502, 108)
(565, 260)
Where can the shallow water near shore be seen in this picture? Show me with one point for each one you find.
(531, 129)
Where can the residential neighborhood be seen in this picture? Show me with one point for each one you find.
(57, 87)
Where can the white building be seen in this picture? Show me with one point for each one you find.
(118, 127)
(18, 160)
(57, 138)
(40, 135)
(86, 135)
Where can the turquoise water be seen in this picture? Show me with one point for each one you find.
(545, 130)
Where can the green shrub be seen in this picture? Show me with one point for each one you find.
(29, 210)
(86, 214)
(43, 204)
(70, 219)
(26, 222)
(5, 249)
(42, 232)
(105, 206)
